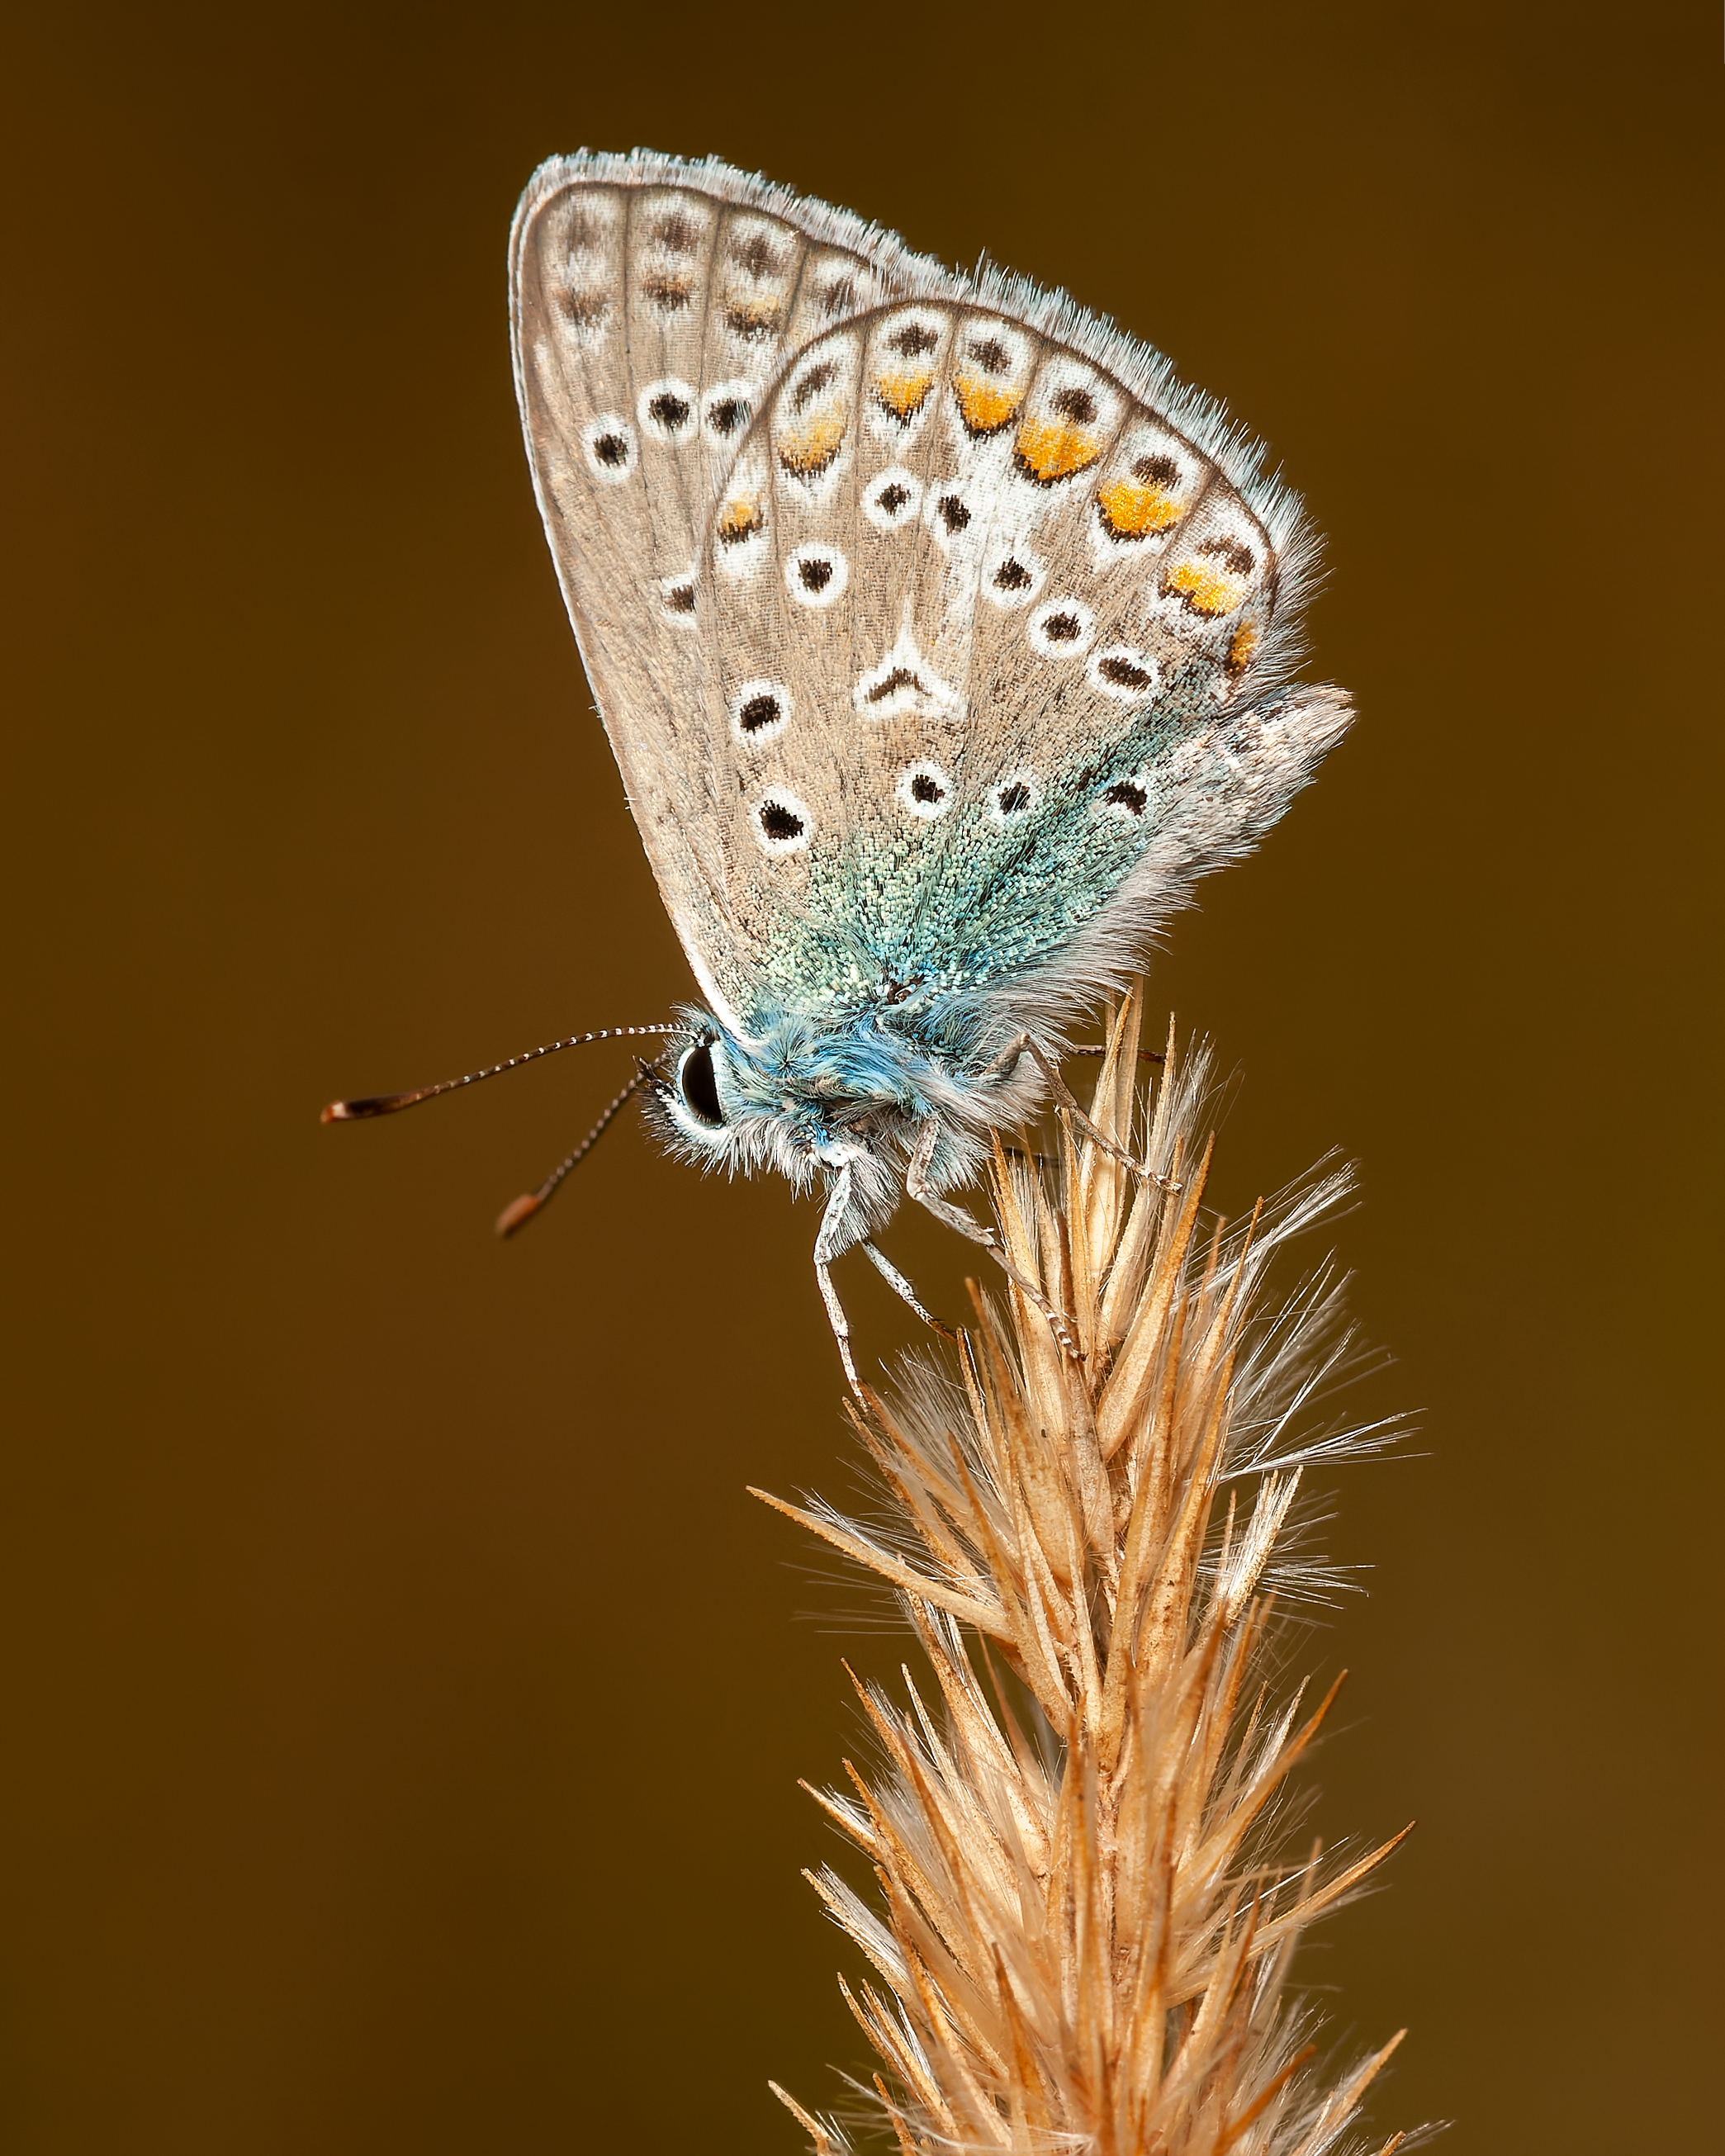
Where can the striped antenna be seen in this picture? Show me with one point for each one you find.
(387, 1104)
(522, 1210)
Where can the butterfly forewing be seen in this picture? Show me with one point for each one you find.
(653, 304)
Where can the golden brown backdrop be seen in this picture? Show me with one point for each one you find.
(403, 1701)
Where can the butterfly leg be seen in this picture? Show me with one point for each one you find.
(955, 1216)
(901, 1287)
(832, 1221)
(1023, 1044)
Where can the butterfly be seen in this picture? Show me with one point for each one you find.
(941, 636)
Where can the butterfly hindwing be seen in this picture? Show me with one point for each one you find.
(994, 621)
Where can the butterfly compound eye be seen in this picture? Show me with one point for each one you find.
(700, 1088)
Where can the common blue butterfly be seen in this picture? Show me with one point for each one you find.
(941, 636)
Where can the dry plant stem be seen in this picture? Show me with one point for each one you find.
(1088, 1908)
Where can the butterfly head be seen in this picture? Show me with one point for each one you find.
(808, 1103)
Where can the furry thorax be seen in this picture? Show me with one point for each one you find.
(808, 1102)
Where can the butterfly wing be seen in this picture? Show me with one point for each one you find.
(652, 302)
(1002, 616)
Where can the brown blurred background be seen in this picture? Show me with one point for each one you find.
(404, 1703)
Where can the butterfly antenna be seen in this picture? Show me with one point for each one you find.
(514, 1215)
(387, 1104)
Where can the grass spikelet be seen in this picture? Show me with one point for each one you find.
(1081, 1834)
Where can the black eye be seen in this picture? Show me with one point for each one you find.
(700, 1088)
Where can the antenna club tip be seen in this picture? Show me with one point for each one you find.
(376, 1104)
(511, 1217)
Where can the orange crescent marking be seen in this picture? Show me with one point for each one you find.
(812, 448)
(1242, 646)
(986, 407)
(902, 393)
(1055, 448)
(1132, 512)
(740, 517)
(1207, 591)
